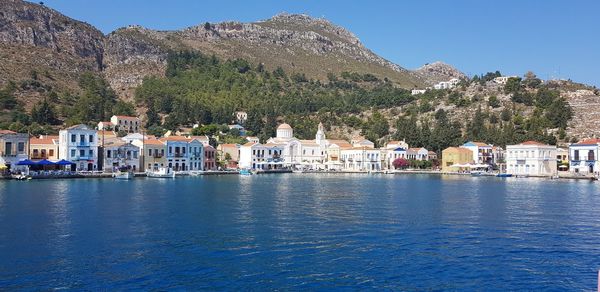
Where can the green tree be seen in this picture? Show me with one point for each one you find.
(44, 113)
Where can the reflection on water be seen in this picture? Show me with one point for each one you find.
(300, 232)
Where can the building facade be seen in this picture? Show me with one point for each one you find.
(531, 158)
(126, 123)
(584, 157)
(13, 147)
(79, 144)
(119, 154)
(43, 147)
(454, 156)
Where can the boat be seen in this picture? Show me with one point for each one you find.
(297, 171)
(20, 177)
(195, 172)
(123, 175)
(476, 173)
(161, 172)
(504, 175)
(245, 172)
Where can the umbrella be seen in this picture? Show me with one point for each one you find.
(65, 162)
(2, 166)
(45, 162)
(26, 162)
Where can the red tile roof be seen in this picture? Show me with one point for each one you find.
(589, 141)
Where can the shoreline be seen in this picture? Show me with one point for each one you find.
(235, 172)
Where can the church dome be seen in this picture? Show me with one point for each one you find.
(285, 131)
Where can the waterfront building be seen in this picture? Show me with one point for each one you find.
(229, 154)
(396, 144)
(417, 153)
(210, 154)
(431, 155)
(482, 152)
(261, 156)
(177, 152)
(129, 138)
(119, 154)
(584, 157)
(79, 144)
(361, 158)
(454, 157)
(333, 160)
(562, 159)
(13, 147)
(531, 158)
(126, 123)
(202, 139)
(196, 154)
(394, 154)
(43, 147)
(154, 153)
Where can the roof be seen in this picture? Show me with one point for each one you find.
(251, 137)
(200, 138)
(43, 140)
(209, 148)
(431, 153)
(105, 122)
(592, 141)
(458, 149)
(7, 132)
(478, 144)
(228, 145)
(153, 142)
(284, 126)
(78, 127)
(249, 144)
(533, 143)
(127, 117)
(176, 138)
(416, 149)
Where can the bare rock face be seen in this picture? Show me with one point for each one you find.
(24, 23)
(438, 71)
(131, 54)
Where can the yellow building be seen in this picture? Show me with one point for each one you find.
(43, 147)
(153, 153)
(455, 156)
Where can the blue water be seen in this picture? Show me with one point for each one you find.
(299, 232)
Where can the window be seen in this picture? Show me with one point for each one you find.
(51, 151)
(91, 153)
(150, 152)
(91, 138)
(21, 147)
(591, 155)
(82, 139)
(135, 154)
(81, 153)
(73, 153)
(576, 154)
(108, 153)
(73, 138)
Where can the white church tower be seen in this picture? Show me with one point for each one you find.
(320, 136)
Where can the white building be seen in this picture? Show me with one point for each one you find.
(447, 84)
(417, 153)
(503, 79)
(482, 152)
(418, 91)
(79, 144)
(583, 157)
(393, 154)
(126, 123)
(14, 147)
(120, 154)
(361, 159)
(531, 158)
(241, 117)
(261, 156)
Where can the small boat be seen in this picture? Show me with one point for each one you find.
(161, 172)
(123, 175)
(297, 171)
(21, 177)
(195, 172)
(476, 173)
(245, 172)
(504, 175)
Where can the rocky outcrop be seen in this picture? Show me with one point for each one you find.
(438, 71)
(24, 23)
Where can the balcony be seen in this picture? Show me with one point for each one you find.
(156, 156)
(40, 156)
(178, 154)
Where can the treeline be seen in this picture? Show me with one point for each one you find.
(204, 89)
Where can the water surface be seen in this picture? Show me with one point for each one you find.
(300, 231)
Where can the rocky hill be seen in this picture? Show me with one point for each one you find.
(438, 72)
(35, 37)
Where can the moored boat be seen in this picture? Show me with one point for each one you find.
(123, 175)
(245, 172)
(504, 175)
(161, 172)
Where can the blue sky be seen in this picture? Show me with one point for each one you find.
(555, 39)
